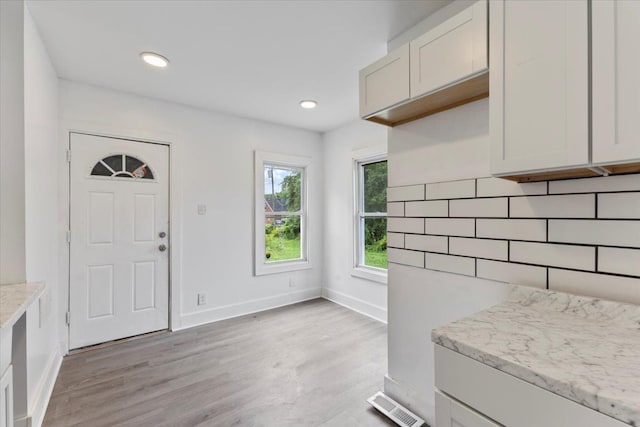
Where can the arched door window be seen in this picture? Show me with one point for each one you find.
(122, 166)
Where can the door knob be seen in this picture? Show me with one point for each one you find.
(162, 248)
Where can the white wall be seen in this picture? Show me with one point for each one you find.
(447, 146)
(12, 252)
(212, 164)
(41, 217)
(419, 301)
(339, 285)
(444, 147)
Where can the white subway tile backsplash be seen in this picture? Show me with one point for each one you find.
(492, 187)
(450, 264)
(401, 256)
(407, 192)
(619, 261)
(426, 243)
(395, 209)
(603, 286)
(580, 236)
(565, 206)
(512, 229)
(619, 205)
(405, 225)
(395, 240)
(451, 190)
(431, 208)
(596, 232)
(450, 226)
(479, 208)
(479, 248)
(596, 185)
(517, 274)
(567, 256)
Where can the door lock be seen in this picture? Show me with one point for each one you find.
(162, 234)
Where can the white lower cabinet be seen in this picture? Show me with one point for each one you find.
(472, 394)
(451, 413)
(6, 398)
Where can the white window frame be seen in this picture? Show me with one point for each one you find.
(261, 267)
(360, 158)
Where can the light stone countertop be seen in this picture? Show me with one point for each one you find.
(15, 299)
(584, 349)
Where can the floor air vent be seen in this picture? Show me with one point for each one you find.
(390, 408)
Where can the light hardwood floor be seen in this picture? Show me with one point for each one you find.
(308, 364)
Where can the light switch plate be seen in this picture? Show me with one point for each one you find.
(202, 209)
(202, 299)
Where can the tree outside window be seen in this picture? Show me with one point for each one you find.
(282, 211)
(371, 229)
(281, 183)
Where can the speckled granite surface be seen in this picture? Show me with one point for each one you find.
(14, 300)
(584, 349)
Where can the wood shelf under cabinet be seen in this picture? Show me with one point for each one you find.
(454, 95)
(576, 173)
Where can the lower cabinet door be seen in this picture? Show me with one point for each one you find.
(451, 413)
(6, 398)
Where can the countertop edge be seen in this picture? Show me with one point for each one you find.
(35, 290)
(589, 399)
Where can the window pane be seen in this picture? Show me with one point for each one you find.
(282, 189)
(282, 238)
(114, 162)
(132, 163)
(375, 242)
(100, 170)
(375, 187)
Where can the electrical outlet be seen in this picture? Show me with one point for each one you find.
(202, 209)
(292, 282)
(202, 299)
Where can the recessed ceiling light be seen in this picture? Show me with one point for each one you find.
(308, 103)
(154, 59)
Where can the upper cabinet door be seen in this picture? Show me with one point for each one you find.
(539, 82)
(450, 52)
(616, 81)
(385, 82)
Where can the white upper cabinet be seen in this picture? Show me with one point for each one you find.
(454, 50)
(385, 82)
(616, 81)
(539, 104)
(442, 69)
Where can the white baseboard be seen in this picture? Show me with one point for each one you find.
(40, 400)
(416, 402)
(190, 320)
(356, 304)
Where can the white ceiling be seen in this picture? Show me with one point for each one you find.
(254, 59)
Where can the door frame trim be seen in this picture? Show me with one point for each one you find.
(173, 142)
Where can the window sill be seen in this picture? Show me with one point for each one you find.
(282, 267)
(372, 274)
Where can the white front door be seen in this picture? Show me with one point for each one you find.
(119, 256)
